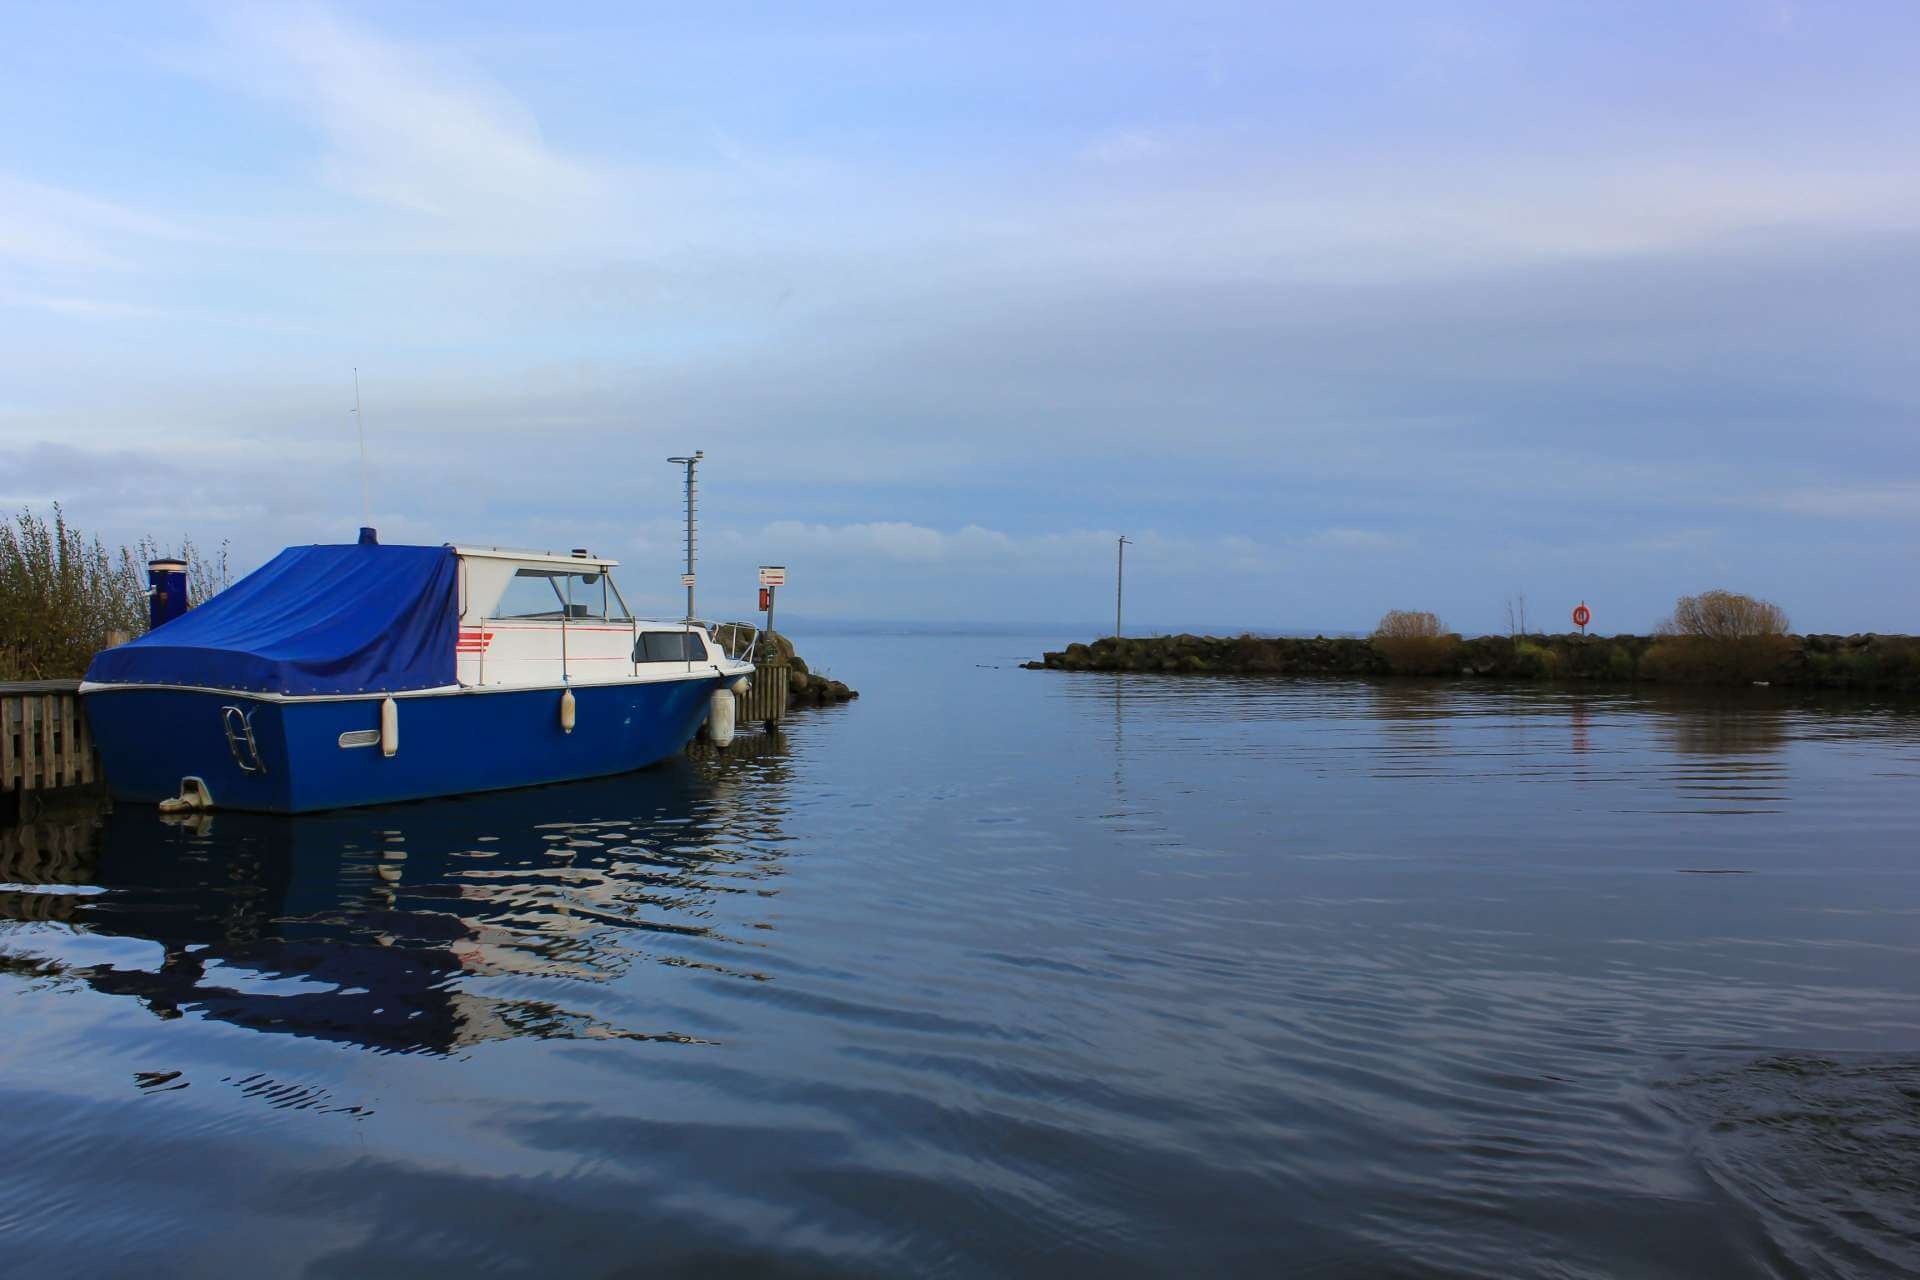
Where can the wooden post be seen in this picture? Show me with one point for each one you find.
(9, 754)
(53, 714)
(69, 758)
(29, 746)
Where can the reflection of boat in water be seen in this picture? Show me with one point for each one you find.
(364, 674)
(391, 928)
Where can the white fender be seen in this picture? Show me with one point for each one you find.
(389, 727)
(720, 717)
(566, 711)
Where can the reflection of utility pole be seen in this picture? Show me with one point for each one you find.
(1119, 585)
(686, 579)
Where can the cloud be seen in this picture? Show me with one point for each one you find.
(975, 549)
(96, 308)
(53, 227)
(414, 129)
(1125, 146)
(892, 540)
(1381, 315)
(1895, 501)
(1356, 540)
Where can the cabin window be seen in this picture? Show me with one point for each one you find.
(669, 646)
(552, 594)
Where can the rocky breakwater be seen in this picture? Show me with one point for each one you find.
(806, 687)
(1822, 661)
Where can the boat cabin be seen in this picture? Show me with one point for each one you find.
(541, 618)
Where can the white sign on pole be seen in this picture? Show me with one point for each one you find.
(686, 579)
(773, 575)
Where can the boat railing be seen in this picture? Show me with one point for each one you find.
(738, 640)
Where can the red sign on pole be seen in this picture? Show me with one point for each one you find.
(765, 599)
(1582, 616)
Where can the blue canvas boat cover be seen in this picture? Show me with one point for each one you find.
(324, 619)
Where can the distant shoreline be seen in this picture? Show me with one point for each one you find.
(1886, 663)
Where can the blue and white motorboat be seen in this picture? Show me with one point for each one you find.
(359, 674)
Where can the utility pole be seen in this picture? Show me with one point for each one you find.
(1119, 585)
(686, 579)
(360, 422)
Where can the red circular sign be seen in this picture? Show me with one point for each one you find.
(1582, 615)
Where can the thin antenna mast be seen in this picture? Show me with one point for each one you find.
(366, 502)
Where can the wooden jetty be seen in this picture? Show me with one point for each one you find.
(44, 742)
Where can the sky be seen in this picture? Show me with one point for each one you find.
(1330, 308)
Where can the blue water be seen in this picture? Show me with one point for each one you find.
(1004, 972)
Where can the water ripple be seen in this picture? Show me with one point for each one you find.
(1011, 973)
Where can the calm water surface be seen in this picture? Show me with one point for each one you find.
(1009, 972)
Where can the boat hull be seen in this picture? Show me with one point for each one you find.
(449, 742)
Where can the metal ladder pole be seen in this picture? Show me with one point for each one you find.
(693, 491)
(690, 463)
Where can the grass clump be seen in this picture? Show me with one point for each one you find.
(1415, 643)
(1536, 660)
(64, 596)
(1620, 664)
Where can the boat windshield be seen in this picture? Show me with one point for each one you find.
(552, 594)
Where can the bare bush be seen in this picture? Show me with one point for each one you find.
(1406, 624)
(1725, 615)
(1517, 616)
(1720, 637)
(1415, 643)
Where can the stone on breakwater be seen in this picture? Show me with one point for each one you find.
(804, 687)
(1824, 661)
